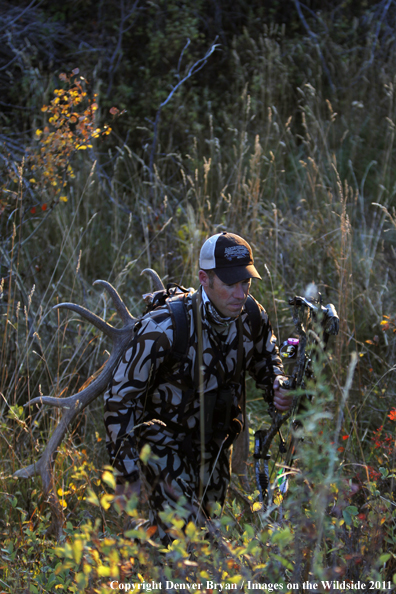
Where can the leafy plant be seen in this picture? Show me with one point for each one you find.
(257, 143)
(71, 127)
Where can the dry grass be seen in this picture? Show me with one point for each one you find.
(313, 192)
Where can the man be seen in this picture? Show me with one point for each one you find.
(199, 400)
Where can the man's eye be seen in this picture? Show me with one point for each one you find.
(245, 283)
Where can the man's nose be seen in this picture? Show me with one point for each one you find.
(239, 292)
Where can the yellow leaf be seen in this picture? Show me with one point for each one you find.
(39, 132)
(108, 478)
(32, 181)
(92, 497)
(63, 198)
(191, 530)
(257, 505)
(77, 548)
(103, 571)
(235, 579)
(145, 453)
(106, 500)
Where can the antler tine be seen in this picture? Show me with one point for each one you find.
(99, 385)
(91, 317)
(120, 306)
(157, 282)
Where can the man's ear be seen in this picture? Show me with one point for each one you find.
(203, 278)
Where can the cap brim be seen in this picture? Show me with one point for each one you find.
(236, 274)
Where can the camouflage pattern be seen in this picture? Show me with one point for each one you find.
(149, 384)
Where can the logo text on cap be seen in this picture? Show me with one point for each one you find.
(237, 251)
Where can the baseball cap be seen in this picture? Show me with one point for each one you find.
(230, 256)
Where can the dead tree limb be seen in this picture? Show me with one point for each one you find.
(196, 67)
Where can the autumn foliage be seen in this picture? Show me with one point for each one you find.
(286, 135)
(71, 126)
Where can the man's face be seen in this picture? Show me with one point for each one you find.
(227, 299)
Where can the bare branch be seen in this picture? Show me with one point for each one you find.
(118, 53)
(314, 38)
(196, 67)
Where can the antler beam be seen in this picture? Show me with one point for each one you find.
(73, 405)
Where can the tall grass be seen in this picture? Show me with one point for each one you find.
(300, 184)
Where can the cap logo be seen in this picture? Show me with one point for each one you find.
(236, 251)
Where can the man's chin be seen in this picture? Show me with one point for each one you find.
(234, 311)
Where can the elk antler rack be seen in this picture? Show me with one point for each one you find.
(73, 405)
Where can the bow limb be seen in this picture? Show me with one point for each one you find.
(262, 443)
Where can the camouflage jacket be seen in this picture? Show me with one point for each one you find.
(150, 384)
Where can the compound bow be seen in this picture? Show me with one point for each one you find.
(293, 348)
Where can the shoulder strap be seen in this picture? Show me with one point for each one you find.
(254, 316)
(181, 327)
(196, 301)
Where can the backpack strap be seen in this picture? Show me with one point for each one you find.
(254, 316)
(181, 326)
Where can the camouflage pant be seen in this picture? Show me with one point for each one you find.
(171, 474)
(173, 471)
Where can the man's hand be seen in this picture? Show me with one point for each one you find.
(283, 399)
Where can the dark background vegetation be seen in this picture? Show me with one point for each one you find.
(284, 133)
